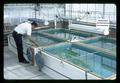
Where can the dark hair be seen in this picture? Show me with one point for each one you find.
(34, 23)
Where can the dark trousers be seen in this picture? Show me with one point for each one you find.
(18, 40)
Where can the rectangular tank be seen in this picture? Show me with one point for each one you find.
(69, 34)
(102, 42)
(43, 40)
(79, 62)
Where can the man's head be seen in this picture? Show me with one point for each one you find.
(34, 24)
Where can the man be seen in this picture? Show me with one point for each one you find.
(22, 29)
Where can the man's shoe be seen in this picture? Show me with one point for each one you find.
(24, 61)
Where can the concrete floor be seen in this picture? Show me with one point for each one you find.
(15, 70)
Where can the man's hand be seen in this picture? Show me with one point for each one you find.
(33, 43)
